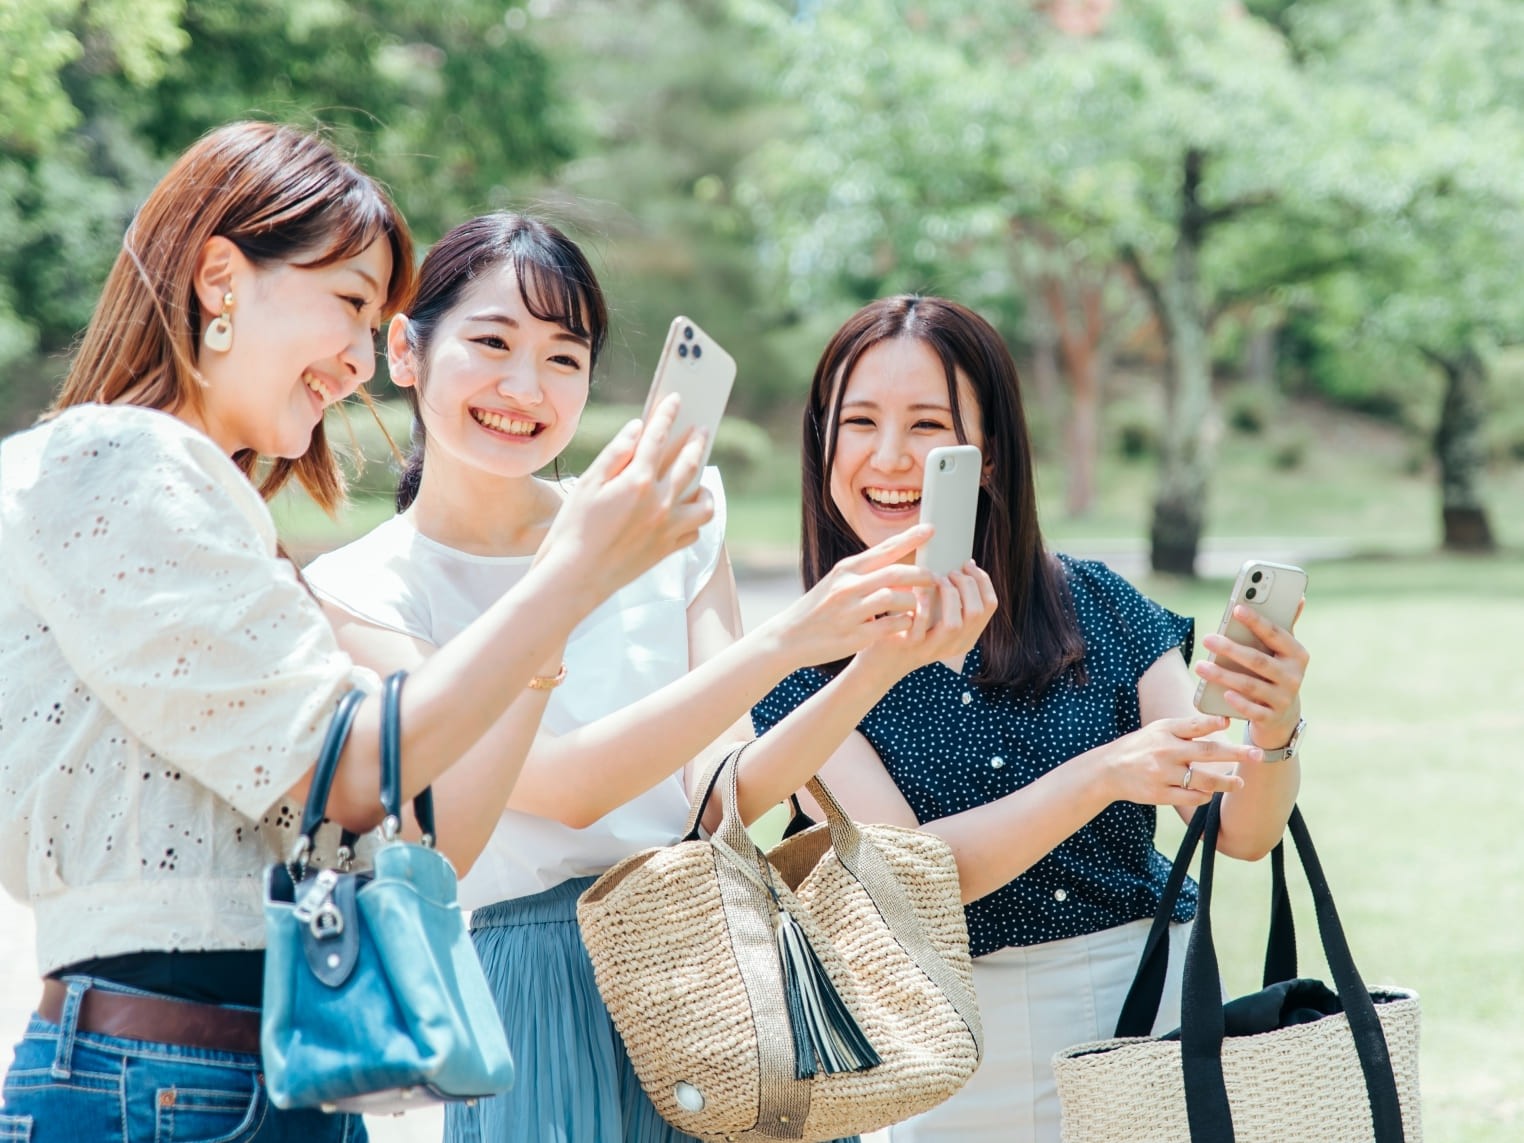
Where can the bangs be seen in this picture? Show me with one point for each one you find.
(556, 291)
(354, 221)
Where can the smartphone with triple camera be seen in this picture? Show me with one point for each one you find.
(1268, 589)
(694, 366)
(949, 501)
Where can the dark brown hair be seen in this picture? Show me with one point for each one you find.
(1033, 637)
(280, 195)
(555, 282)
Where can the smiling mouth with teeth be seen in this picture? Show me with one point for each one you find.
(892, 498)
(310, 380)
(513, 426)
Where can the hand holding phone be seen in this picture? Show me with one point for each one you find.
(950, 502)
(1273, 591)
(694, 366)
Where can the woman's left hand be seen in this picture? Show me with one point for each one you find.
(1263, 688)
(949, 619)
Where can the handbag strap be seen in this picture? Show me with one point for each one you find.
(1141, 1008)
(391, 766)
(322, 774)
(1201, 1025)
(1280, 947)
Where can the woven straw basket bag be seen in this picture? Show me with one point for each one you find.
(1250, 1071)
(818, 991)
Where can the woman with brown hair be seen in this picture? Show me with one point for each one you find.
(1040, 756)
(166, 678)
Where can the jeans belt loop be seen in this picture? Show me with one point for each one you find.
(68, 1024)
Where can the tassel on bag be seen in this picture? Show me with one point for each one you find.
(826, 1036)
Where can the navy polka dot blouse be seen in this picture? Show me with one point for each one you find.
(950, 746)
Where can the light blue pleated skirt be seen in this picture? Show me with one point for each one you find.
(573, 1082)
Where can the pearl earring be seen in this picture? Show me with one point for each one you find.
(219, 335)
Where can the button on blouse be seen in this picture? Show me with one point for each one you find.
(951, 745)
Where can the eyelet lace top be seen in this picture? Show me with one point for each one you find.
(164, 679)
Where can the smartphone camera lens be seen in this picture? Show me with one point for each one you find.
(1256, 577)
(698, 351)
(682, 351)
(688, 332)
(1251, 593)
(942, 464)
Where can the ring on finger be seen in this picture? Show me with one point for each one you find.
(1190, 772)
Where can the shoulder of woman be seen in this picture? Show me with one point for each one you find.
(124, 456)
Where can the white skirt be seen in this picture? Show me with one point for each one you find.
(1036, 1001)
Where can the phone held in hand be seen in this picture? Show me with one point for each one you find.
(694, 366)
(1270, 590)
(949, 501)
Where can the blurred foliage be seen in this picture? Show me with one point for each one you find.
(765, 166)
(669, 97)
(450, 103)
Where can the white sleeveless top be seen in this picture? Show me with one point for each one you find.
(633, 644)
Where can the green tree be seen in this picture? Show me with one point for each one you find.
(668, 97)
(1435, 271)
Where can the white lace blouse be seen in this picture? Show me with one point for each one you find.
(164, 678)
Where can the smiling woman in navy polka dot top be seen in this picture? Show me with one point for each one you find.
(1041, 754)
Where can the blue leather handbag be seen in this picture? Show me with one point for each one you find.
(375, 1000)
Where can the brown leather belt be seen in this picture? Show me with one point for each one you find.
(159, 1019)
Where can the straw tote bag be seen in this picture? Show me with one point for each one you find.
(1294, 1061)
(817, 991)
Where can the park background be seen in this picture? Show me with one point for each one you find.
(1258, 261)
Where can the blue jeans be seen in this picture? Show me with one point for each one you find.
(68, 1086)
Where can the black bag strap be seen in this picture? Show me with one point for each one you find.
(1141, 1008)
(391, 773)
(1280, 947)
(322, 774)
(391, 766)
(1201, 1025)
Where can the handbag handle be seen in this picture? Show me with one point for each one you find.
(1141, 1007)
(339, 726)
(845, 837)
(1201, 1025)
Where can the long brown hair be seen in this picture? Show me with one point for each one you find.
(1034, 636)
(555, 281)
(280, 195)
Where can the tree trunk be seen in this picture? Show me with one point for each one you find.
(1079, 339)
(1180, 503)
(1461, 450)
(1260, 358)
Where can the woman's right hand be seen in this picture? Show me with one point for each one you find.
(1172, 762)
(630, 509)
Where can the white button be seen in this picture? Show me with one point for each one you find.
(1060, 894)
(996, 762)
(688, 1097)
(967, 698)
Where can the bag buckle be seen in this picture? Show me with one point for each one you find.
(316, 909)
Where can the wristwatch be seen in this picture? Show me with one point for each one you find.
(1293, 744)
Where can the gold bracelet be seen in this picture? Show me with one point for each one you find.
(547, 682)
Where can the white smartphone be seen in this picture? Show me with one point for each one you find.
(949, 500)
(693, 366)
(1271, 590)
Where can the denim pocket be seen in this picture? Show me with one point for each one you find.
(15, 1128)
(205, 1115)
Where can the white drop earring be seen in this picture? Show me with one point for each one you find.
(219, 335)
